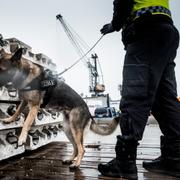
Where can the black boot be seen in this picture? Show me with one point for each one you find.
(169, 161)
(124, 165)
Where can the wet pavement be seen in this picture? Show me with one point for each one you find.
(46, 162)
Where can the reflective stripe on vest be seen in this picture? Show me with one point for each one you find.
(139, 4)
(152, 10)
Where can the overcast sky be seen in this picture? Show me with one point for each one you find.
(34, 22)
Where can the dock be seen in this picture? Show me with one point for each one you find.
(46, 162)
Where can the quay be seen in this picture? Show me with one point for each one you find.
(46, 162)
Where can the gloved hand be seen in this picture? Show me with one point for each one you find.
(107, 28)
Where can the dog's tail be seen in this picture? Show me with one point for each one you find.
(104, 130)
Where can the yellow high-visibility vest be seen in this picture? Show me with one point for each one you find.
(154, 6)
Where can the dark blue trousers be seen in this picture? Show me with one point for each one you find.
(149, 83)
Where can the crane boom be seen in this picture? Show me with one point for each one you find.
(72, 36)
(96, 79)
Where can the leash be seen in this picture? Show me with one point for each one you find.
(77, 61)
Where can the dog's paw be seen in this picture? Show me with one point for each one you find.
(7, 120)
(21, 142)
(73, 167)
(22, 139)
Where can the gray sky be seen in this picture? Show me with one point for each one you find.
(34, 22)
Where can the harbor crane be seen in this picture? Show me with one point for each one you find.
(96, 82)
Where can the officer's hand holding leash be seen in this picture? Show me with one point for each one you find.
(107, 28)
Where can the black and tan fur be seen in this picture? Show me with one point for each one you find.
(20, 73)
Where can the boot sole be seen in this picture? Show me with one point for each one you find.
(128, 176)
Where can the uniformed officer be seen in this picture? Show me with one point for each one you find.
(149, 85)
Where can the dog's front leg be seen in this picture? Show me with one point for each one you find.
(16, 114)
(27, 124)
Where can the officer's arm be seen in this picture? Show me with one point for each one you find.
(122, 10)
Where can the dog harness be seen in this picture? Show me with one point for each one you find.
(42, 82)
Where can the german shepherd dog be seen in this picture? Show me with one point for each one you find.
(27, 78)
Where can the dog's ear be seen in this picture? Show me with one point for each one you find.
(4, 57)
(16, 58)
(2, 53)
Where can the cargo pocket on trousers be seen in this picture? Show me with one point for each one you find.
(135, 80)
